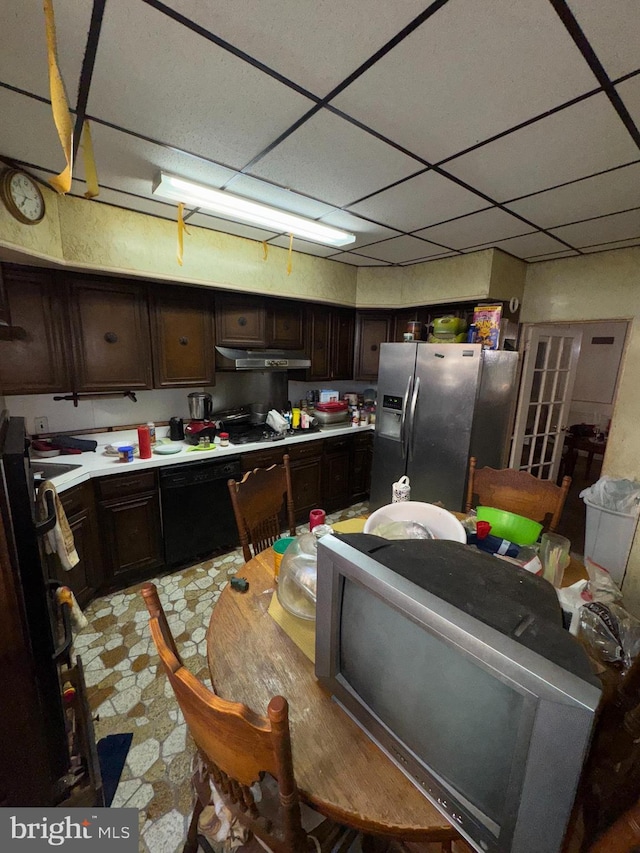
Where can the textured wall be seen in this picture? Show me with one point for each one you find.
(599, 287)
(41, 241)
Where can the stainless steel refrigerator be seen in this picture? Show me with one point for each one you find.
(437, 406)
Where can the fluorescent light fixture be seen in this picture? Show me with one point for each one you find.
(244, 210)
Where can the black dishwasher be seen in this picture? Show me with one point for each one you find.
(197, 516)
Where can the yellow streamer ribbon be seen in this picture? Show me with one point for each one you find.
(265, 250)
(59, 104)
(90, 171)
(182, 230)
(289, 262)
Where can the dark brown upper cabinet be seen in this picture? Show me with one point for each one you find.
(285, 324)
(329, 340)
(38, 362)
(5, 314)
(371, 331)
(110, 335)
(240, 321)
(182, 337)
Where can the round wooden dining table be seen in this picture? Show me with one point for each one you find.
(339, 771)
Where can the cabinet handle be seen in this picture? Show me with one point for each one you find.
(242, 321)
(374, 347)
(111, 337)
(183, 341)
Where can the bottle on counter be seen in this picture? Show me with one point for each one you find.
(355, 417)
(224, 439)
(152, 432)
(144, 442)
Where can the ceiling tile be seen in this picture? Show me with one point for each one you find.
(366, 232)
(27, 131)
(132, 202)
(469, 72)
(23, 45)
(305, 246)
(357, 260)
(170, 84)
(607, 193)
(400, 249)
(331, 159)
(337, 32)
(125, 162)
(574, 143)
(492, 224)
(618, 226)
(613, 30)
(278, 197)
(239, 229)
(419, 202)
(526, 246)
(552, 256)
(607, 247)
(629, 91)
(427, 260)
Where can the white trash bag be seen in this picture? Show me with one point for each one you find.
(618, 495)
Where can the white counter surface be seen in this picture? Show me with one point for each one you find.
(100, 464)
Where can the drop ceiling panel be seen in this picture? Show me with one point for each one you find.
(357, 260)
(607, 247)
(607, 193)
(430, 258)
(168, 83)
(525, 246)
(613, 29)
(492, 224)
(132, 202)
(425, 200)
(278, 197)
(365, 231)
(334, 31)
(125, 162)
(305, 246)
(400, 249)
(618, 226)
(333, 160)
(443, 88)
(629, 91)
(27, 131)
(552, 256)
(574, 143)
(239, 229)
(23, 44)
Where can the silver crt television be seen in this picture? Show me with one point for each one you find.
(458, 666)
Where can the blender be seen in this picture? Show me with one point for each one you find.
(200, 425)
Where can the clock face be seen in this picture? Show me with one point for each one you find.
(22, 197)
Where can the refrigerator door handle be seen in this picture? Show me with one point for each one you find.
(404, 436)
(412, 415)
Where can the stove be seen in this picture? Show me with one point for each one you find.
(247, 433)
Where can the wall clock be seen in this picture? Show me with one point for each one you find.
(22, 196)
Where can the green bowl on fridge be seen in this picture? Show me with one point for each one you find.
(508, 525)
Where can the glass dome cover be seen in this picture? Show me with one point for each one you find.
(297, 580)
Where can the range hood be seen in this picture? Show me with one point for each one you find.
(241, 359)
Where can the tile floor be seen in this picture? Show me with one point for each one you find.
(128, 694)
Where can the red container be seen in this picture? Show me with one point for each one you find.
(144, 442)
(316, 516)
(337, 406)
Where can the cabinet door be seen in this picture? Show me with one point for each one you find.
(336, 481)
(285, 325)
(342, 328)
(85, 578)
(182, 339)
(403, 318)
(5, 314)
(38, 362)
(319, 342)
(112, 349)
(240, 321)
(361, 466)
(306, 483)
(371, 331)
(132, 538)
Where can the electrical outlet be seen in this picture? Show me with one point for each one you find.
(42, 425)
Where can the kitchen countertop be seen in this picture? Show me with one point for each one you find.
(98, 464)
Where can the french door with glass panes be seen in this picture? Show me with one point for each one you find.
(548, 374)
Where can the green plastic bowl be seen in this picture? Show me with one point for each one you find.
(508, 525)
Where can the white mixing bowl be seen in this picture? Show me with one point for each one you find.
(439, 521)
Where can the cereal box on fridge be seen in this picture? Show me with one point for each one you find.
(486, 319)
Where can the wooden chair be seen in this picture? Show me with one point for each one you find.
(238, 747)
(257, 502)
(517, 491)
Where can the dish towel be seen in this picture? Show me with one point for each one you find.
(59, 540)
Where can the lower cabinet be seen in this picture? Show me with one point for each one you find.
(129, 516)
(361, 465)
(336, 473)
(306, 477)
(86, 578)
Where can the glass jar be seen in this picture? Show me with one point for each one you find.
(298, 576)
(224, 439)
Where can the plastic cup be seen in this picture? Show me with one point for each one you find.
(555, 557)
(279, 547)
(316, 516)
